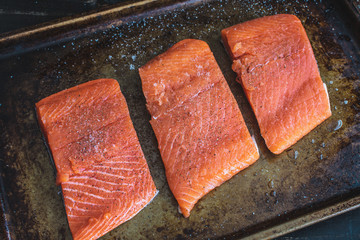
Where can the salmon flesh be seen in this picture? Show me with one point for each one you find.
(276, 67)
(101, 168)
(201, 134)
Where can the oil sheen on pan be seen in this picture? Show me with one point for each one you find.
(100, 166)
(202, 137)
(275, 64)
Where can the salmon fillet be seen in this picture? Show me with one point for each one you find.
(276, 67)
(202, 137)
(100, 166)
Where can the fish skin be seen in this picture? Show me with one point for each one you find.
(277, 69)
(202, 136)
(102, 171)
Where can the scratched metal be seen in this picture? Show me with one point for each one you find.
(321, 170)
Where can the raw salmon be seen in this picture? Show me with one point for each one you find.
(275, 64)
(202, 137)
(103, 174)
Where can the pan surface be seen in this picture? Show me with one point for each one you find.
(317, 177)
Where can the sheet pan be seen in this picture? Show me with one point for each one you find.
(315, 179)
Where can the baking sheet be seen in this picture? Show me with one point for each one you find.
(317, 177)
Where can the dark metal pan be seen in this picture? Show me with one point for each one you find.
(317, 178)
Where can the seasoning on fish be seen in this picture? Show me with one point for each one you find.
(202, 137)
(100, 166)
(276, 67)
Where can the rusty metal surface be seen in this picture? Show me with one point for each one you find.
(317, 177)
